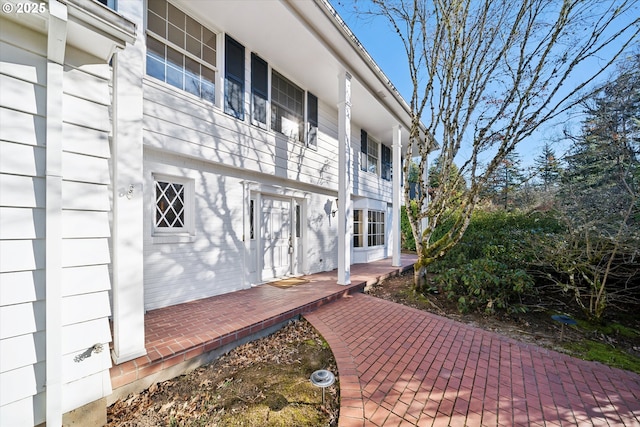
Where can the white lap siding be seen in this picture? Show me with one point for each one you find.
(85, 227)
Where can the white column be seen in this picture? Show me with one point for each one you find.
(345, 210)
(397, 167)
(56, 45)
(128, 207)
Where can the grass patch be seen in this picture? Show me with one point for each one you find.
(604, 353)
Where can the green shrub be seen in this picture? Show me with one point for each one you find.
(487, 268)
(485, 284)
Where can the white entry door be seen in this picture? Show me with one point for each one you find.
(276, 238)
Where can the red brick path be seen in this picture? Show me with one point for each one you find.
(404, 367)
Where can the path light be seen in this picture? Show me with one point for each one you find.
(323, 379)
(564, 320)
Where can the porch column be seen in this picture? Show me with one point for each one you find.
(397, 167)
(345, 211)
(128, 207)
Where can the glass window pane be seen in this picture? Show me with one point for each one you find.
(194, 28)
(175, 76)
(176, 36)
(208, 91)
(176, 17)
(209, 55)
(155, 46)
(158, 6)
(194, 47)
(209, 38)
(157, 24)
(155, 66)
(175, 57)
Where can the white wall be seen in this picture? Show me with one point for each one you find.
(84, 252)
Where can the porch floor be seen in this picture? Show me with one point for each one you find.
(181, 336)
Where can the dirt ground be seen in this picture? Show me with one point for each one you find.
(262, 383)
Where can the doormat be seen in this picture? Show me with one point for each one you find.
(287, 283)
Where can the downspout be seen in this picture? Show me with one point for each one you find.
(56, 44)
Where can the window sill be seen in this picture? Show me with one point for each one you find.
(158, 238)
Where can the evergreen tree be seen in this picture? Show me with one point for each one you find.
(506, 181)
(547, 167)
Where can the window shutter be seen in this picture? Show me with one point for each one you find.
(234, 79)
(363, 149)
(312, 119)
(259, 90)
(386, 163)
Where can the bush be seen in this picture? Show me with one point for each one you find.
(487, 269)
(488, 285)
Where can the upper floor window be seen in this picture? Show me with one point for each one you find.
(287, 107)
(180, 51)
(368, 153)
(234, 78)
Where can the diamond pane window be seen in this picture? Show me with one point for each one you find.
(170, 201)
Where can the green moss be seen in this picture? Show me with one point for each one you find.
(600, 352)
(610, 328)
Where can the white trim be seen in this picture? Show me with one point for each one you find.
(345, 208)
(57, 39)
(182, 234)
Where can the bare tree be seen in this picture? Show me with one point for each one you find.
(486, 74)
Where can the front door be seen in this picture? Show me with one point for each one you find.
(276, 238)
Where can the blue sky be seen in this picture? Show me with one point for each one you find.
(378, 38)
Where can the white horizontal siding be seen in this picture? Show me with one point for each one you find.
(85, 224)
(88, 169)
(21, 319)
(21, 383)
(85, 279)
(86, 390)
(80, 252)
(21, 223)
(27, 412)
(19, 159)
(25, 65)
(83, 85)
(21, 286)
(85, 307)
(194, 129)
(85, 196)
(76, 139)
(22, 191)
(21, 350)
(76, 367)
(20, 255)
(22, 95)
(22, 127)
(77, 337)
(83, 112)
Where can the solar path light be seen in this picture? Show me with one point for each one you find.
(322, 379)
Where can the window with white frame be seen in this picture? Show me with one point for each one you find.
(358, 228)
(173, 205)
(287, 107)
(385, 162)
(180, 51)
(375, 228)
(234, 78)
(252, 219)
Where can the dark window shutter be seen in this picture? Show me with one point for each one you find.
(363, 149)
(259, 76)
(234, 78)
(386, 163)
(312, 118)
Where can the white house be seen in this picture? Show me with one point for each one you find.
(161, 151)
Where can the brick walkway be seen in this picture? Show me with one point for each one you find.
(404, 367)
